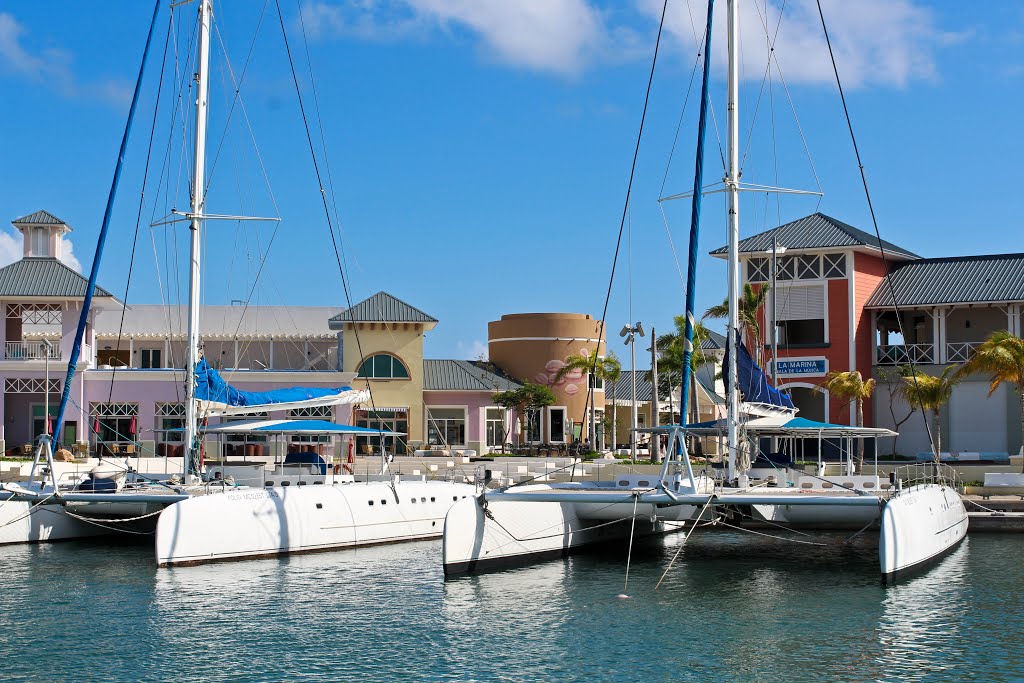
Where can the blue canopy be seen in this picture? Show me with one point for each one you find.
(752, 380)
(781, 425)
(294, 427)
(220, 396)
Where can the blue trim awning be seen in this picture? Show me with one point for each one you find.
(294, 427)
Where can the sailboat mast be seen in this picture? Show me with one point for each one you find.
(732, 186)
(195, 227)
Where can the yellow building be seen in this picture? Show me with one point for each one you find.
(382, 340)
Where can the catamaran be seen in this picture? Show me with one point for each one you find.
(920, 521)
(209, 516)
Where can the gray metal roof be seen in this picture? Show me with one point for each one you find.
(714, 342)
(383, 308)
(464, 375)
(156, 321)
(33, 276)
(624, 387)
(38, 218)
(954, 280)
(816, 231)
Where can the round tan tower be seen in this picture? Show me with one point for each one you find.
(532, 347)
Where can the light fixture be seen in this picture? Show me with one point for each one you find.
(625, 331)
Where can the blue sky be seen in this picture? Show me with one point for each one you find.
(479, 150)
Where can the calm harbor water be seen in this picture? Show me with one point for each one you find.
(734, 607)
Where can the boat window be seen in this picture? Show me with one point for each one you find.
(423, 500)
(383, 502)
(432, 499)
(643, 482)
(413, 500)
(286, 483)
(623, 482)
(371, 502)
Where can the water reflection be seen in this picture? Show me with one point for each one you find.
(733, 608)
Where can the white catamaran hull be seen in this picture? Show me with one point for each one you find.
(920, 525)
(515, 532)
(818, 516)
(275, 521)
(25, 521)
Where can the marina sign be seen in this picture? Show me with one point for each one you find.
(790, 367)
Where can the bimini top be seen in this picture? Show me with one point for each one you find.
(217, 397)
(783, 425)
(294, 427)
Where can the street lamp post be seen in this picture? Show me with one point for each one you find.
(630, 332)
(48, 347)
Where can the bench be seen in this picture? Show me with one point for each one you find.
(987, 492)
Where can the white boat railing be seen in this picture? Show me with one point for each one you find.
(927, 473)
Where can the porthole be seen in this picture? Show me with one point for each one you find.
(286, 483)
(423, 500)
(302, 483)
(623, 482)
(432, 500)
(643, 482)
(268, 483)
(383, 502)
(413, 500)
(371, 502)
(319, 506)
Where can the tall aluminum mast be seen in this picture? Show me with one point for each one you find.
(732, 180)
(195, 227)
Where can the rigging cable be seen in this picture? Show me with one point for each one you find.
(625, 207)
(874, 221)
(94, 272)
(323, 198)
(142, 200)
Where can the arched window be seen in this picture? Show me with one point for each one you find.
(383, 366)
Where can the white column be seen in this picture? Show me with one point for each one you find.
(940, 335)
(937, 350)
(131, 352)
(271, 356)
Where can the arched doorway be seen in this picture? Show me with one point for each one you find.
(810, 401)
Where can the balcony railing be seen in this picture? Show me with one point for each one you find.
(31, 350)
(905, 353)
(960, 352)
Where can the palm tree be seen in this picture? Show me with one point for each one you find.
(750, 303)
(610, 372)
(1002, 356)
(671, 347)
(599, 368)
(929, 392)
(846, 387)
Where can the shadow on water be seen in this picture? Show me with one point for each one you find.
(733, 608)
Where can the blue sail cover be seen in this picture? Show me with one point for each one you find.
(752, 380)
(210, 386)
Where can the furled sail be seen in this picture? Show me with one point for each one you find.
(752, 380)
(217, 397)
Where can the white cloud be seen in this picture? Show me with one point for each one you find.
(557, 36)
(473, 350)
(889, 42)
(67, 254)
(11, 247)
(52, 67)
